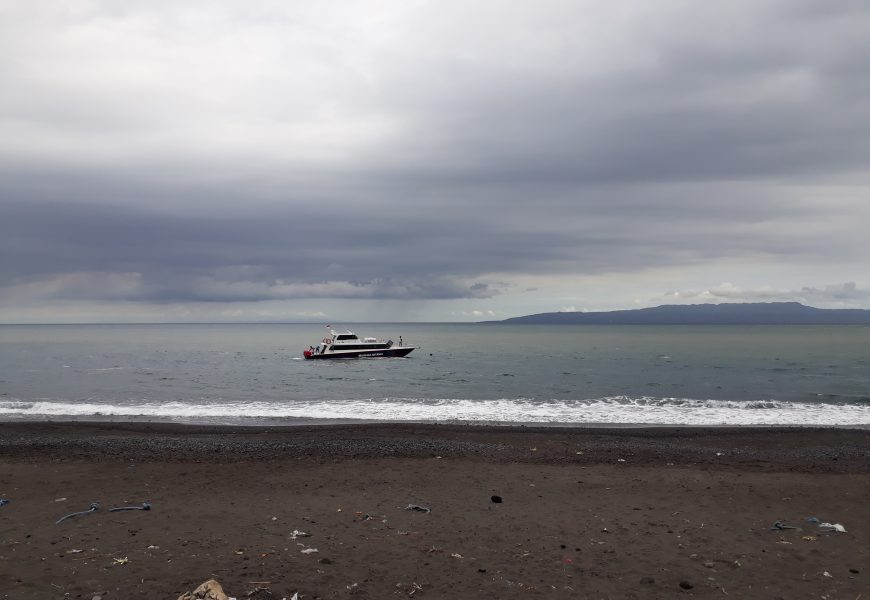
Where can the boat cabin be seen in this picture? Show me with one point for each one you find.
(345, 338)
(350, 341)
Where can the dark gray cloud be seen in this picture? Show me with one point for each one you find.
(251, 152)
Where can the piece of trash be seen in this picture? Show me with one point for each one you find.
(298, 534)
(826, 574)
(60, 499)
(209, 589)
(418, 508)
(832, 526)
(274, 518)
(74, 551)
(309, 551)
(719, 454)
(496, 499)
(456, 555)
(533, 449)
(121, 561)
(145, 506)
(94, 506)
(239, 552)
(620, 460)
(567, 560)
(4, 501)
(779, 526)
(809, 538)
(153, 547)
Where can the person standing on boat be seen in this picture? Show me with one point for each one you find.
(400, 341)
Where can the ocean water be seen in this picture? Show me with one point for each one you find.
(254, 374)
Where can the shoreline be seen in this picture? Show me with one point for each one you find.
(804, 449)
(292, 422)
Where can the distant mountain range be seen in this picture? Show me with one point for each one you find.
(755, 313)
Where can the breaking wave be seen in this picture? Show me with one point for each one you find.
(643, 410)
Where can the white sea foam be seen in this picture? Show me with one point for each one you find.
(615, 409)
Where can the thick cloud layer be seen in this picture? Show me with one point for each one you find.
(255, 152)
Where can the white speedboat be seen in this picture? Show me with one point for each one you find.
(348, 345)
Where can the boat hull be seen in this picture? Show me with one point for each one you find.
(379, 353)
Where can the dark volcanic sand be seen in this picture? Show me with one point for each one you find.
(687, 514)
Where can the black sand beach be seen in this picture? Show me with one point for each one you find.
(584, 513)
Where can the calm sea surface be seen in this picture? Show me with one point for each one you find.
(787, 375)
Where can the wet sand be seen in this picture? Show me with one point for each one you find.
(585, 513)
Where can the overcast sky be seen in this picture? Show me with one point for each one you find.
(429, 161)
